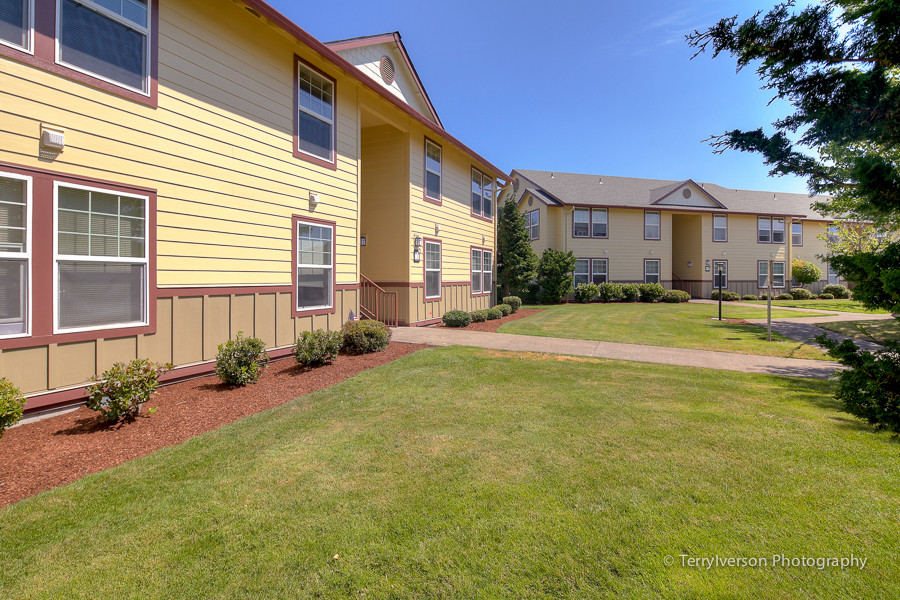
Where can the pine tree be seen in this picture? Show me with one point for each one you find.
(517, 265)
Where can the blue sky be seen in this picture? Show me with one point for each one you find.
(587, 87)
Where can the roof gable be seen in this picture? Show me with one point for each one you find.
(685, 193)
(367, 54)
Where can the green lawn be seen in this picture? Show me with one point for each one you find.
(880, 329)
(836, 304)
(661, 324)
(463, 473)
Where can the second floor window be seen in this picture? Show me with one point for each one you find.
(315, 114)
(599, 222)
(770, 230)
(533, 224)
(15, 23)
(482, 194)
(432, 171)
(581, 222)
(796, 233)
(720, 228)
(651, 225)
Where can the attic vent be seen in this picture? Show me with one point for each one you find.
(686, 193)
(387, 70)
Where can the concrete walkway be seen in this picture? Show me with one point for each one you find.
(770, 365)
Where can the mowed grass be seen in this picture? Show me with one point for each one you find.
(674, 325)
(879, 329)
(464, 473)
(836, 304)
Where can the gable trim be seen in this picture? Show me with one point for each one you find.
(697, 186)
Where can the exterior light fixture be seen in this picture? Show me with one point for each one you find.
(707, 262)
(417, 252)
(362, 240)
(437, 229)
(417, 242)
(313, 200)
(690, 264)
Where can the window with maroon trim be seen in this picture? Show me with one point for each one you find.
(599, 222)
(777, 274)
(533, 224)
(432, 270)
(315, 114)
(770, 230)
(581, 274)
(796, 233)
(15, 254)
(17, 24)
(314, 266)
(720, 228)
(482, 194)
(482, 271)
(599, 270)
(651, 270)
(433, 164)
(651, 225)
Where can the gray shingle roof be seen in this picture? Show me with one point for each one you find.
(607, 190)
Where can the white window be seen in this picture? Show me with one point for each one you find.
(582, 271)
(315, 114)
(720, 274)
(432, 171)
(720, 228)
(796, 233)
(533, 223)
(487, 272)
(17, 23)
(315, 266)
(432, 269)
(581, 222)
(763, 230)
(476, 271)
(777, 274)
(651, 226)
(482, 194)
(15, 254)
(651, 271)
(599, 221)
(599, 270)
(833, 276)
(777, 230)
(109, 39)
(101, 277)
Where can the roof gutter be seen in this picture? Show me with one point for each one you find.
(278, 19)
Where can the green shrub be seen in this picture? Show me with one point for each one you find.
(611, 292)
(494, 313)
(12, 404)
(514, 302)
(362, 337)
(456, 318)
(650, 292)
(826, 297)
(673, 296)
(631, 292)
(784, 296)
(240, 361)
(837, 290)
(506, 309)
(479, 316)
(870, 386)
(804, 272)
(801, 294)
(317, 347)
(555, 275)
(749, 297)
(586, 292)
(726, 296)
(120, 391)
(813, 297)
(763, 296)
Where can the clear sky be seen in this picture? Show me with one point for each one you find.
(575, 86)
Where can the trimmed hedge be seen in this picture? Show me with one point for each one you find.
(836, 290)
(456, 318)
(12, 404)
(674, 296)
(240, 361)
(650, 292)
(784, 296)
(494, 313)
(479, 316)
(726, 296)
(826, 297)
(506, 309)
(801, 294)
(317, 347)
(363, 337)
(749, 297)
(611, 292)
(586, 292)
(514, 302)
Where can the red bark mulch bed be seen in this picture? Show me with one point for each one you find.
(492, 326)
(45, 454)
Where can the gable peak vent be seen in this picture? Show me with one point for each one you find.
(387, 70)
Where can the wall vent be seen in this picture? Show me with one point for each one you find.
(387, 70)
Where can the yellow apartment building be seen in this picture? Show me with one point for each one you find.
(676, 233)
(172, 173)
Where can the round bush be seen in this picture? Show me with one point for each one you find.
(785, 296)
(837, 290)
(363, 337)
(631, 292)
(826, 297)
(494, 313)
(749, 297)
(12, 404)
(479, 316)
(673, 296)
(240, 361)
(514, 302)
(318, 347)
(611, 292)
(763, 296)
(586, 292)
(456, 318)
(726, 296)
(506, 309)
(120, 391)
(801, 294)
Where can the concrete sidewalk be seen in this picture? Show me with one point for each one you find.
(747, 363)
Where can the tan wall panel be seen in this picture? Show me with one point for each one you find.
(187, 330)
(72, 364)
(216, 324)
(115, 350)
(27, 368)
(285, 330)
(264, 318)
(158, 346)
(242, 308)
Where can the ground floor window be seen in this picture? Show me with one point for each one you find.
(315, 265)
(720, 274)
(582, 271)
(833, 276)
(651, 270)
(432, 270)
(599, 270)
(15, 253)
(777, 274)
(482, 271)
(101, 258)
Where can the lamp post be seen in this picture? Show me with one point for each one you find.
(769, 301)
(719, 273)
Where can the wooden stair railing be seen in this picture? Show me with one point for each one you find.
(681, 284)
(378, 304)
